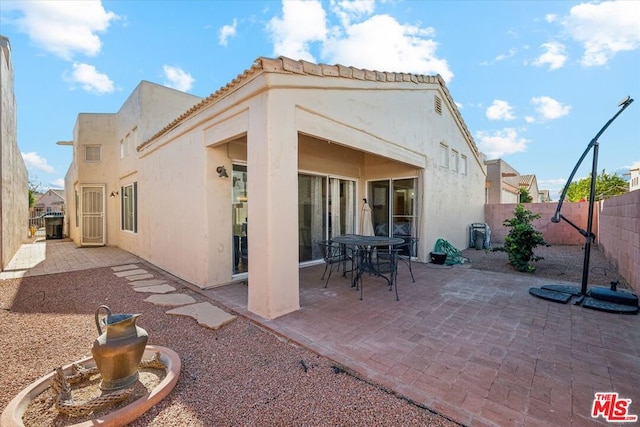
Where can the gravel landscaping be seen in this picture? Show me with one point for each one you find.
(239, 375)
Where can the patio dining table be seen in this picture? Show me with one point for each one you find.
(365, 247)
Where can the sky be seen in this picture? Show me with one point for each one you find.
(534, 80)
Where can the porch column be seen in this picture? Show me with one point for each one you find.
(272, 166)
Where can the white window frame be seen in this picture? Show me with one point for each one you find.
(129, 207)
(91, 156)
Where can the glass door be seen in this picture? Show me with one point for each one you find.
(393, 207)
(312, 215)
(239, 219)
(326, 208)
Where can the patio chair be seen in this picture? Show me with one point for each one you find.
(404, 252)
(333, 254)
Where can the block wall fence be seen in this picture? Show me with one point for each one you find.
(616, 223)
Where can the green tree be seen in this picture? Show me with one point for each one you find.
(521, 240)
(33, 189)
(525, 197)
(607, 185)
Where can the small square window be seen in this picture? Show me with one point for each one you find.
(444, 155)
(92, 153)
(454, 160)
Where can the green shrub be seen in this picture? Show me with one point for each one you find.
(521, 240)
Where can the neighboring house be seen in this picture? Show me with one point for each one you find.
(14, 188)
(503, 183)
(544, 195)
(530, 183)
(246, 182)
(51, 201)
(634, 179)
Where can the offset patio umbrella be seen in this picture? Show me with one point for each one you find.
(597, 298)
(366, 224)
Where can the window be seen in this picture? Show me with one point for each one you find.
(92, 153)
(455, 158)
(443, 155)
(463, 164)
(129, 210)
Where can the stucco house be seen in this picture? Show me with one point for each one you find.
(51, 200)
(245, 182)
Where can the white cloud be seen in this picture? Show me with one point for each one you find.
(177, 78)
(90, 79)
(550, 18)
(554, 56)
(302, 22)
(33, 160)
(604, 29)
(64, 27)
(359, 39)
(382, 43)
(349, 10)
(58, 183)
(509, 54)
(500, 143)
(549, 108)
(529, 119)
(227, 31)
(500, 110)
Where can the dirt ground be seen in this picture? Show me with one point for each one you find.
(564, 263)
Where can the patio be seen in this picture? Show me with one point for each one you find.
(472, 345)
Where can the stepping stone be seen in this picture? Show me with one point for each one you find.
(140, 277)
(206, 314)
(158, 289)
(149, 282)
(130, 272)
(124, 267)
(171, 299)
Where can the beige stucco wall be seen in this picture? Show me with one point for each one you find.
(149, 108)
(278, 125)
(14, 188)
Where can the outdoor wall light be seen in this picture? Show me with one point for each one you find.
(222, 172)
(113, 194)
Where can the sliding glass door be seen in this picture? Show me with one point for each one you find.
(393, 207)
(326, 208)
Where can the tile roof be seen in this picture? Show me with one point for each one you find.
(286, 65)
(526, 180)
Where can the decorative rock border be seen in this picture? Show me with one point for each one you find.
(12, 415)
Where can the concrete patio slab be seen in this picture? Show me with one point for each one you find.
(471, 345)
(206, 314)
(158, 289)
(171, 299)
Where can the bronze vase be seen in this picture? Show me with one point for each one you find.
(118, 351)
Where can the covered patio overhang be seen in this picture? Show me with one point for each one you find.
(274, 155)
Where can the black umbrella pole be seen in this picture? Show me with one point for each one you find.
(589, 235)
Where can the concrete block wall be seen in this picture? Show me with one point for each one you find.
(554, 234)
(619, 235)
